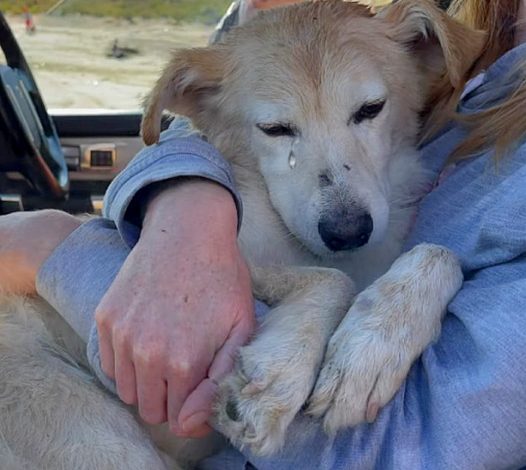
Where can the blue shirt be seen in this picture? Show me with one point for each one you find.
(463, 404)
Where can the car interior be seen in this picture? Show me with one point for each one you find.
(65, 160)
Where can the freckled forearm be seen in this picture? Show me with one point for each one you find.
(199, 208)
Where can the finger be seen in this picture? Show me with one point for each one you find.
(198, 433)
(151, 394)
(125, 379)
(180, 385)
(124, 371)
(224, 359)
(107, 354)
(197, 408)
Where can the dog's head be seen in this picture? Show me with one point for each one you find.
(323, 99)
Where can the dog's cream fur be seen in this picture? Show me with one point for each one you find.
(311, 67)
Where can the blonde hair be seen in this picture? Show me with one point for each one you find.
(502, 126)
(498, 18)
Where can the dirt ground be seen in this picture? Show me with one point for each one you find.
(68, 58)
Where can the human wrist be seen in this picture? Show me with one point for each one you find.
(196, 206)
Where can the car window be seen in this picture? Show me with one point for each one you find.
(100, 54)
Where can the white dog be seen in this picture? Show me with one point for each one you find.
(317, 108)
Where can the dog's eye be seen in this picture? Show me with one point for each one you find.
(277, 130)
(368, 111)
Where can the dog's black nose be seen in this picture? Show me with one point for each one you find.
(341, 235)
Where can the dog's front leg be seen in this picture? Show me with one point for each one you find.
(386, 329)
(276, 372)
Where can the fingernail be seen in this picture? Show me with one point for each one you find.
(194, 421)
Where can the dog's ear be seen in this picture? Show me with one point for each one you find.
(190, 77)
(439, 40)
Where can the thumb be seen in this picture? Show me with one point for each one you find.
(198, 406)
(224, 359)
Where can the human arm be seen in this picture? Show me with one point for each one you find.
(123, 203)
(165, 162)
(193, 306)
(76, 264)
(84, 266)
(27, 239)
(171, 159)
(83, 269)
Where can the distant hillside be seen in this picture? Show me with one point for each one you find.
(16, 6)
(179, 10)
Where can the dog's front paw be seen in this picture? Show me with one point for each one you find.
(386, 329)
(271, 383)
(364, 366)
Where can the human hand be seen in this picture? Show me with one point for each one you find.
(27, 239)
(181, 306)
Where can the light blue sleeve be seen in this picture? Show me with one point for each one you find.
(182, 151)
(76, 276)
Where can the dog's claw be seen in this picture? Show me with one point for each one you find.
(252, 388)
(257, 404)
(231, 410)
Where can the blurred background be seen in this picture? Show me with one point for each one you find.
(106, 54)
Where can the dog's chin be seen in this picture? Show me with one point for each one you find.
(341, 255)
(324, 254)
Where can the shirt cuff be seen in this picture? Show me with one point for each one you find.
(173, 157)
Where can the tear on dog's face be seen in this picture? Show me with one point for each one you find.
(323, 100)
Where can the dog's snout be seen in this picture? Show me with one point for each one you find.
(346, 233)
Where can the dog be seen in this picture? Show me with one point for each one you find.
(317, 106)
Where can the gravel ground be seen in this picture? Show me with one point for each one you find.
(68, 58)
